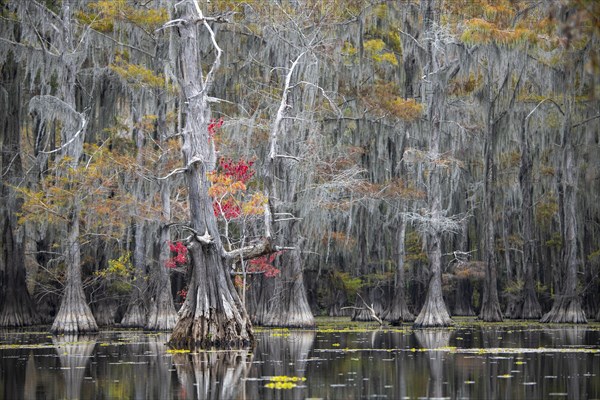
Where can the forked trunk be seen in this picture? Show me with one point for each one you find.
(212, 314)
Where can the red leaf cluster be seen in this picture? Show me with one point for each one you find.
(180, 256)
(213, 125)
(226, 208)
(265, 265)
(240, 171)
(182, 294)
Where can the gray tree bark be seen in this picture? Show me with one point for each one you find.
(398, 311)
(434, 311)
(74, 314)
(566, 307)
(16, 305)
(530, 309)
(212, 314)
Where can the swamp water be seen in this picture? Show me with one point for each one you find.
(339, 360)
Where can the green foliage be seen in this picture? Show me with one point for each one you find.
(546, 211)
(414, 249)
(555, 240)
(594, 256)
(350, 285)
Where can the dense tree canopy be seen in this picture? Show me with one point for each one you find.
(263, 162)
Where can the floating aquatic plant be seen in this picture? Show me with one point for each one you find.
(284, 382)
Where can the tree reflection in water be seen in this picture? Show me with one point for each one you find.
(214, 375)
(490, 361)
(434, 339)
(74, 352)
(283, 353)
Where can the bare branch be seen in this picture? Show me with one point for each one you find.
(174, 172)
(255, 250)
(282, 106)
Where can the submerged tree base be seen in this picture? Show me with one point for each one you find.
(490, 312)
(565, 312)
(433, 315)
(531, 308)
(203, 333)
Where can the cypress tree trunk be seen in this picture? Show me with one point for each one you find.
(290, 307)
(464, 294)
(16, 305)
(212, 314)
(135, 315)
(398, 310)
(434, 312)
(162, 315)
(74, 315)
(567, 302)
(531, 308)
(490, 305)
(161, 310)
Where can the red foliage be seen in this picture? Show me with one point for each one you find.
(227, 209)
(240, 171)
(265, 265)
(213, 125)
(182, 294)
(180, 256)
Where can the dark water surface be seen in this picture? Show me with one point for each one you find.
(336, 361)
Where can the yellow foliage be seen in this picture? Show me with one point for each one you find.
(256, 204)
(374, 48)
(545, 211)
(385, 100)
(104, 13)
(405, 109)
(137, 75)
(118, 268)
(482, 31)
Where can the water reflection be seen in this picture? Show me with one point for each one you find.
(74, 353)
(435, 339)
(213, 375)
(281, 354)
(472, 362)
